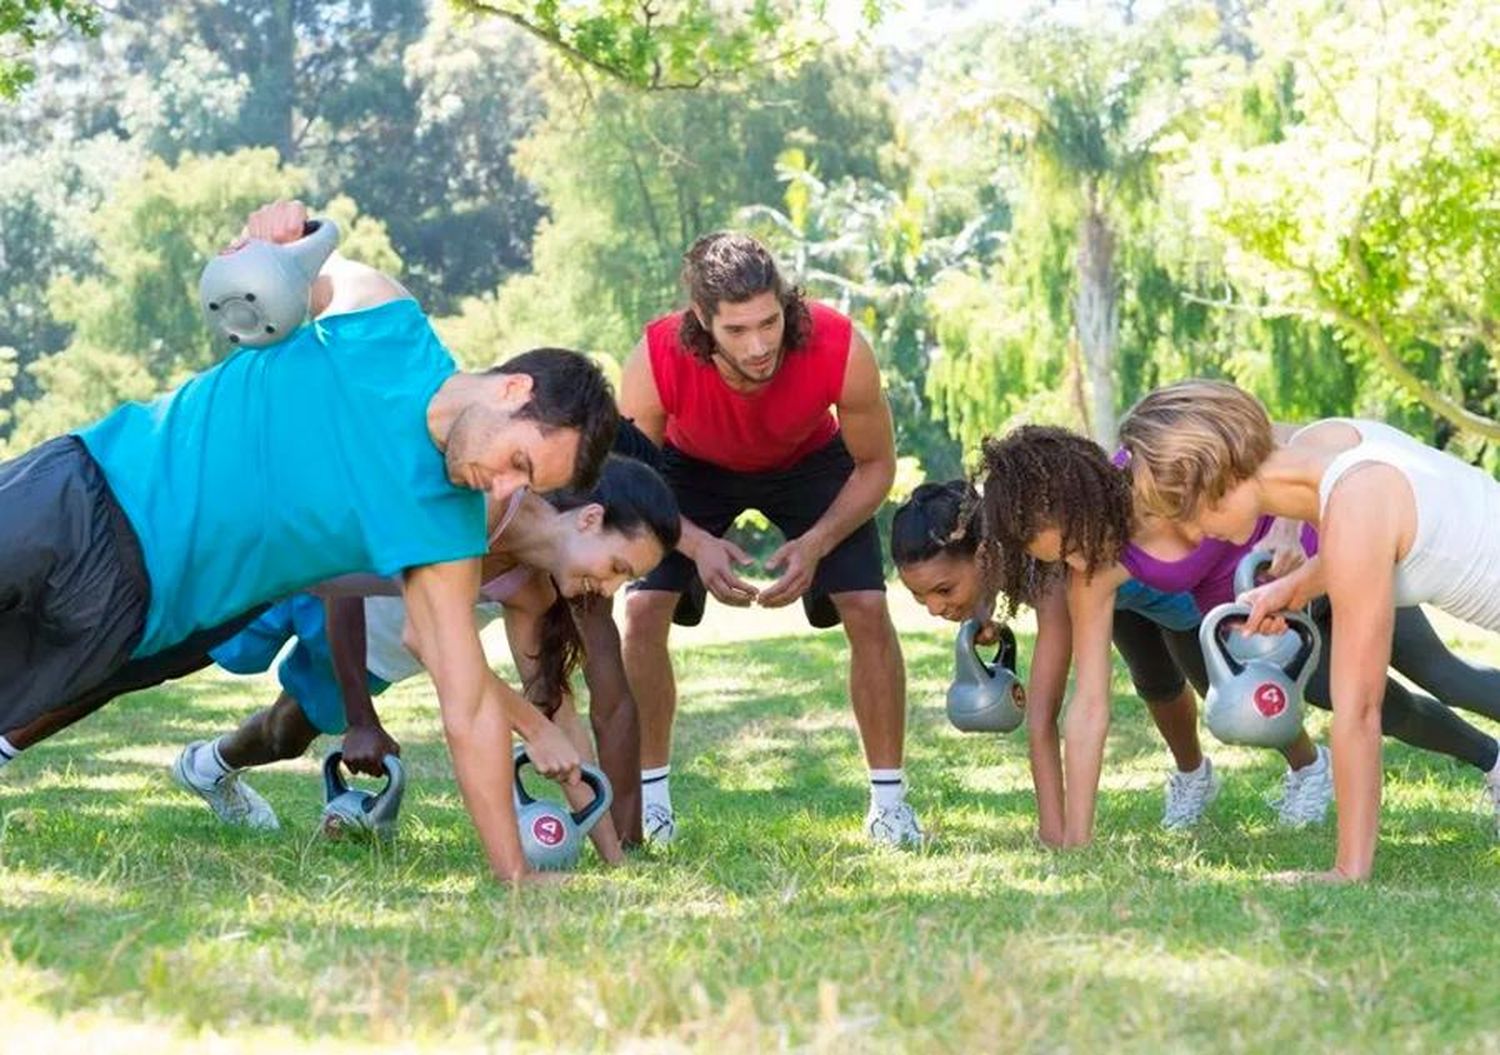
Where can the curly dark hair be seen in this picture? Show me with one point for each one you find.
(725, 266)
(1038, 477)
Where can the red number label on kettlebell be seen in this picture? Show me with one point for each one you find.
(1269, 699)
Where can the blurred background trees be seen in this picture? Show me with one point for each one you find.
(1034, 214)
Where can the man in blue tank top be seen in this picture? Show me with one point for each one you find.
(353, 446)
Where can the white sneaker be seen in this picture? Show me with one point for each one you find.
(1492, 792)
(658, 825)
(234, 801)
(893, 826)
(1306, 793)
(1188, 796)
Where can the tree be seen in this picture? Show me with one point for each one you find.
(136, 327)
(630, 179)
(1374, 208)
(667, 46)
(25, 24)
(1086, 110)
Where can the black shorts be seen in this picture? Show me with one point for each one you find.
(1160, 661)
(73, 584)
(793, 499)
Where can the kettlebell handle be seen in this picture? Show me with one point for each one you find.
(1248, 568)
(584, 818)
(334, 784)
(1235, 614)
(589, 816)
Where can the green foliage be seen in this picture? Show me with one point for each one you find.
(136, 324)
(1373, 208)
(682, 45)
(631, 179)
(24, 24)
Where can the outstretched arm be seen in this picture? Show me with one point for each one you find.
(479, 712)
(1045, 687)
(1361, 542)
(1091, 607)
(366, 743)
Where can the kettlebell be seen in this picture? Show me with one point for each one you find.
(350, 811)
(1278, 648)
(551, 834)
(257, 294)
(985, 697)
(1255, 702)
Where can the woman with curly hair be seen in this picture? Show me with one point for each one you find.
(1401, 523)
(935, 538)
(1059, 512)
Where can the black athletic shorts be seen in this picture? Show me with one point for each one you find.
(793, 499)
(73, 585)
(1160, 660)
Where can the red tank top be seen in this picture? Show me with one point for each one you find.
(773, 428)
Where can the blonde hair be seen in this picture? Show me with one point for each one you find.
(1188, 444)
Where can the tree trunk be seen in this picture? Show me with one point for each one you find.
(1097, 317)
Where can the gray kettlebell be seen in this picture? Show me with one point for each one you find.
(257, 294)
(985, 697)
(1278, 648)
(1255, 702)
(551, 834)
(350, 811)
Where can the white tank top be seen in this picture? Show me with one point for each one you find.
(388, 658)
(1454, 559)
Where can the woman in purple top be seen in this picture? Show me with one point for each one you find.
(1056, 510)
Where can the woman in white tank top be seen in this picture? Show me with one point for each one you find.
(1399, 524)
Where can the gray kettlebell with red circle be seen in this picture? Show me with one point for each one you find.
(985, 697)
(1255, 702)
(552, 835)
(258, 293)
(350, 811)
(1277, 648)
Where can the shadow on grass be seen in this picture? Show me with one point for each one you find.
(119, 888)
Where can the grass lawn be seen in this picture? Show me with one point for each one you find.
(133, 921)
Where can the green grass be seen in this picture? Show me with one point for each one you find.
(131, 918)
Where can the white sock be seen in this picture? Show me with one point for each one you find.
(887, 788)
(1319, 762)
(8, 752)
(1202, 769)
(208, 764)
(656, 788)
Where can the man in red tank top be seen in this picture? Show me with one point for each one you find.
(741, 389)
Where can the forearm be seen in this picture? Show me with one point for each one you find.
(603, 835)
(347, 649)
(1046, 768)
(1357, 777)
(614, 717)
(692, 538)
(1086, 729)
(478, 738)
(859, 498)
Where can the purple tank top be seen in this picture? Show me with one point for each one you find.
(1208, 571)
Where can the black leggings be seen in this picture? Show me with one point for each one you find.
(1411, 717)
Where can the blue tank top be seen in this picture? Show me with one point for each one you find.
(284, 466)
(1175, 611)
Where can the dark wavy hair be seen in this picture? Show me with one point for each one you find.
(569, 391)
(725, 266)
(635, 499)
(1038, 477)
(938, 519)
